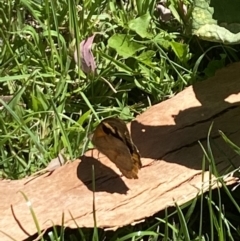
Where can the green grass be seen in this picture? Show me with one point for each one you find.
(55, 105)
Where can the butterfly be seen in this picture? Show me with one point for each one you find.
(112, 138)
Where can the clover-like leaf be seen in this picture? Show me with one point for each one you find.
(124, 45)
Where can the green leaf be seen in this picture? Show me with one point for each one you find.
(35, 103)
(163, 40)
(181, 51)
(124, 45)
(213, 66)
(219, 22)
(140, 25)
(125, 113)
(146, 58)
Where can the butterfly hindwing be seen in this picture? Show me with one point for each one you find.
(113, 139)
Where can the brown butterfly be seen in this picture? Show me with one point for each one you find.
(112, 138)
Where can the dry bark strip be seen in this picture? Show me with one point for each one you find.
(166, 135)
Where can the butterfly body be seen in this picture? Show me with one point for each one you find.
(112, 138)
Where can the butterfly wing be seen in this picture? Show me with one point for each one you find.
(120, 131)
(112, 138)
